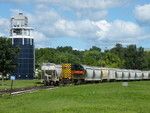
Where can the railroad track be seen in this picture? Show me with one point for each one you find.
(25, 90)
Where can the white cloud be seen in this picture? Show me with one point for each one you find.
(80, 29)
(40, 40)
(98, 32)
(4, 27)
(90, 9)
(66, 28)
(4, 24)
(39, 37)
(142, 14)
(49, 24)
(123, 32)
(75, 4)
(93, 15)
(84, 4)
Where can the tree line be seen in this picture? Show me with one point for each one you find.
(129, 57)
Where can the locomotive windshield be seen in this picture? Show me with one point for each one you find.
(77, 67)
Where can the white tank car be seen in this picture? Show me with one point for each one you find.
(125, 75)
(145, 75)
(112, 74)
(132, 74)
(89, 73)
(138, 75)
(105, 74)
(51, 73)
(58, 70)
(119, 74)
(97, 74)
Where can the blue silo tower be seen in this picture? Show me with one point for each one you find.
(20, 34)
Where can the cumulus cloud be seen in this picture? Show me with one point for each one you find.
(75, 4)
(40, 39)
(110, 33)
(84, 4)
(4, 27)
(142, 14)
(91, 9)
(50, 24)
(98, 32)
(4, 24)
(92, 15)
(121, 30)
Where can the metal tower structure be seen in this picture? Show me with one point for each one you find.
(20, 33)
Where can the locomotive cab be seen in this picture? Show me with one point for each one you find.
(77, 73)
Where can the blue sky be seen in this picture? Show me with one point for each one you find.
(82, 23)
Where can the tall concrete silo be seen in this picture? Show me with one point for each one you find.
(20, 33)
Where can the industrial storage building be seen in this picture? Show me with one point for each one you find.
(20, 34)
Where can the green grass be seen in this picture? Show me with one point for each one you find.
(91, 98)
(19, 83)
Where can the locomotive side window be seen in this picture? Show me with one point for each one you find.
(77, 67)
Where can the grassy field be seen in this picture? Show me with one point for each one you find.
(91, 98)
(19, 84)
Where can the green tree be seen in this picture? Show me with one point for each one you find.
(45, 55)
(111, 60)
(65, 49)
(94, 48)
(92, 58)
(130, 57)
(147, 57)
(141, 60)
(120, 52)
(8, 54)
(135, 58)
(58, 55)
(65, 57)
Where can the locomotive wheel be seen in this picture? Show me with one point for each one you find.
(51, 83)
(79, 81)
